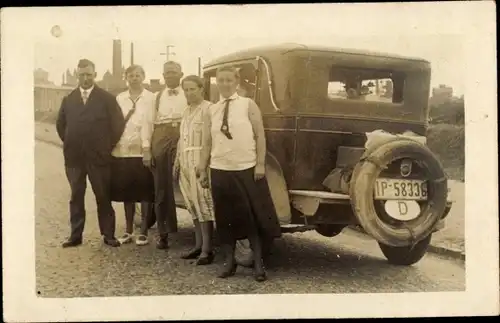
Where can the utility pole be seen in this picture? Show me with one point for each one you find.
(199, 66)
(168, 53)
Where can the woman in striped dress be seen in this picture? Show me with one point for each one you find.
(198, 200)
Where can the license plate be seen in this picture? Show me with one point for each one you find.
(400, 189)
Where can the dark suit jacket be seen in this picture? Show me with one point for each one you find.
(89, 132)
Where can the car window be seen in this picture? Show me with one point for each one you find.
(246, 88)
(365, 85)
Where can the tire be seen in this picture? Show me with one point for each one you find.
(329, 230)
(362, 186)
(405, 256)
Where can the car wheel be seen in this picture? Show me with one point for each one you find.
(406, 256)
(329, 230)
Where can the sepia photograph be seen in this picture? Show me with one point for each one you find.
(233, 151)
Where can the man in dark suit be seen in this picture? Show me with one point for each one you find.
(90, 123)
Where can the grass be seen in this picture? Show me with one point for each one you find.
(447, 141)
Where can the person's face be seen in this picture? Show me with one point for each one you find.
(193, 93)
(227, 83)
(86, 76)
(172, 75)
(135, 78)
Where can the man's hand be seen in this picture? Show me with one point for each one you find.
(260, 172)
(146, 158)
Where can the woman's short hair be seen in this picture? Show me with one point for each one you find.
(231, 69)
(133, 68)
(193, 78)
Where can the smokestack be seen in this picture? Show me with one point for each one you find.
(117, 59)
(131, 53)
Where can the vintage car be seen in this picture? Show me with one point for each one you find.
(346, 143)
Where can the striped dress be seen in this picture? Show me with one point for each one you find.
(197, 199)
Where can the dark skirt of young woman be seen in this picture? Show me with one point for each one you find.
(131, 181)
(243, 206)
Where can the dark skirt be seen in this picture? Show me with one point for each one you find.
(243, 206)
(131, 181)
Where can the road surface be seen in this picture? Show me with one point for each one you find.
(302, 262)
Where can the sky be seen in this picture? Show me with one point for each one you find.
(211, 31)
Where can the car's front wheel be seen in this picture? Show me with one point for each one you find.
(408, 255)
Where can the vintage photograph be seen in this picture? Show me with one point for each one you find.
(221, 159)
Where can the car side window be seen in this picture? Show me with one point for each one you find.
(246, 88)
(364, 85)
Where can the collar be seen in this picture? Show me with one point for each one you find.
(232, 97)
(140, 95)
(88, 90)
(178, 89)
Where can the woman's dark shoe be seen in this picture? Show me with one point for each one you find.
(228, 270)
(202, 261)
(191, 254)
(259, 272)
(260, 276)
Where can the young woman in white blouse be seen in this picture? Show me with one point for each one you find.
(131, 180)
(234, 149)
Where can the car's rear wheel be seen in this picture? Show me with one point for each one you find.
(329, 230)
(408, 255)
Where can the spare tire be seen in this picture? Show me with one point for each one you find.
(361, 191)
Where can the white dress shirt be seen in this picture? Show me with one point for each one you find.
(171, 107)
(86, 90)
(138, 130)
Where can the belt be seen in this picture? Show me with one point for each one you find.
(192, 148)
(171, 122)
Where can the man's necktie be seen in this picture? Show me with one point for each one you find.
(225, 125)
(85, 97)
(172, 92)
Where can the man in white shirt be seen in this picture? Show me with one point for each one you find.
(170, 104)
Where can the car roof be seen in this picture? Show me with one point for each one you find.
(297, 49)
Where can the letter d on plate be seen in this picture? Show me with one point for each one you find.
(402, 210)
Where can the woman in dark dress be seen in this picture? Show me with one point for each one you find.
(232, 163)
(131, 181)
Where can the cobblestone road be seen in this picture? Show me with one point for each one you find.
(302, 263)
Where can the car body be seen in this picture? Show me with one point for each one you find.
(324, 109)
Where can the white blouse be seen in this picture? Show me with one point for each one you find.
(138, 130)
(240, 152)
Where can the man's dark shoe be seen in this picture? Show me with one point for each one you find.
(71, 243)
(112, 242)
(162, 243)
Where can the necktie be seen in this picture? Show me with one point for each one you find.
(172, 92)
(134, 103)
(85, 96)
(225, 125)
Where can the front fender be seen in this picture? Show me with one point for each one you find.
(278, 189)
